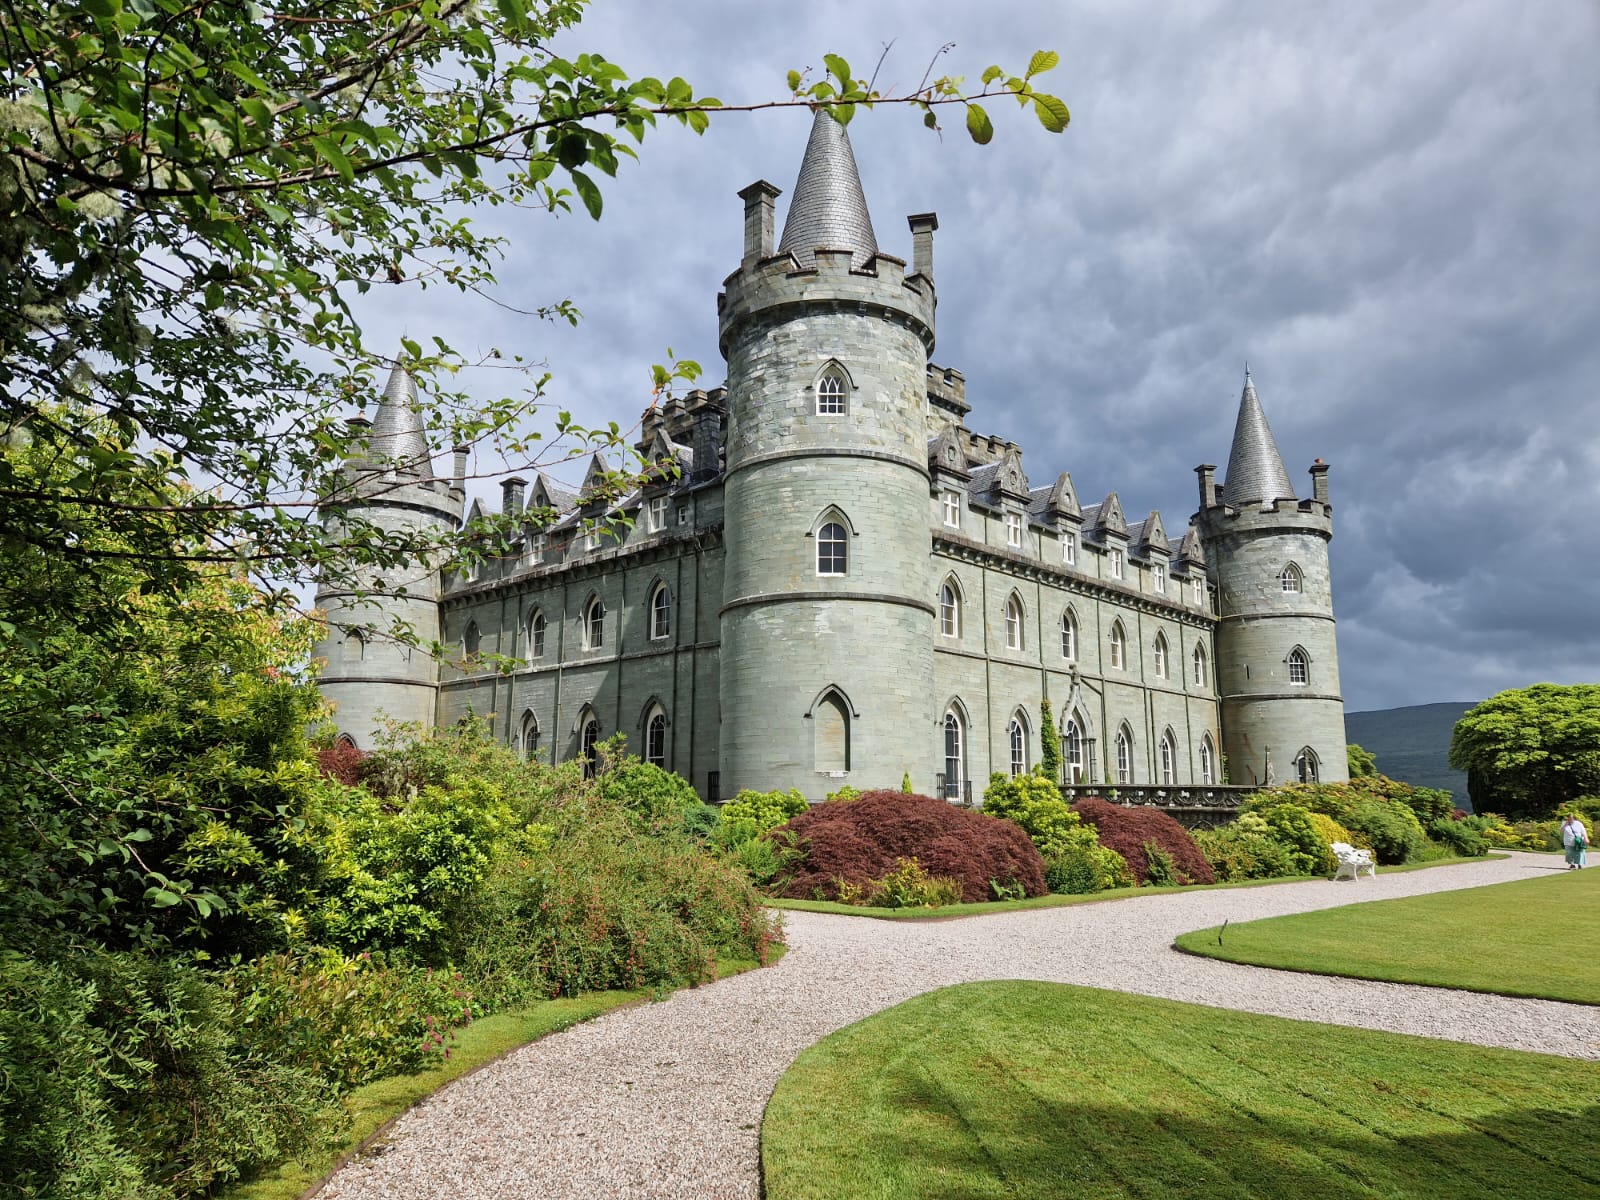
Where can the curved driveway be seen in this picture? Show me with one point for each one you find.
(665, 1100)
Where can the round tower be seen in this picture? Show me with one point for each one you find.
(1277, 661)
(826, 622)
(370, 672)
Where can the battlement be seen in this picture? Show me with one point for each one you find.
(778, 284)
(1313, 514)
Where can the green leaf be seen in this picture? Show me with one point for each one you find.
(990, 74)
(794, 81)
(588, 193)
(162, 897)
(838, 68)
(329, 152)
(1042, 61)
(979, 125)
(1053, 114)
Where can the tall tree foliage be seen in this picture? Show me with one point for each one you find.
(191, 194)
(1527, 751)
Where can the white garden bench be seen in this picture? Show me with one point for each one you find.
(1353, 861)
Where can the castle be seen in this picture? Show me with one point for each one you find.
(829, 579)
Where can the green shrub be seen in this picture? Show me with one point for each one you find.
(844, 795)
(1330, 831)
(1370, 808)
(1392, 829)
(750, 814)
(1160, 871)
(1082, 869)
(909, 886)
(1035, 804)
(1466, 837)
(658, 800)
(1523, 835)
(1242, 850)
(350, 1020)
(1292, 828)
(120, 1076)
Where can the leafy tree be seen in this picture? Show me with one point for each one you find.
(1528, 751)
(1361, 762)
(1050, 742)
(191, 196)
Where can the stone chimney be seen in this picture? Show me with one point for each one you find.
(511, 493)
(922, 227)
(758, 219)
(1208, 484)
(1319, 481)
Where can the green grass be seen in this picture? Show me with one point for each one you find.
(1024, 1090)
(1528, 938)
(1056, 901)
(481, 1042)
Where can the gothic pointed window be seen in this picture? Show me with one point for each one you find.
(588, 739)
(1124, 755)
(1119, 647)
(1299, 667)
(594, 624)
(660, 612)
(831, 392)
(355, 647)
(1017, 742)
(1208, 761)
(832, 552)
(1202, 676)
(655, 738)
(530, 736)
(1069, 636)
(954, 754)
(949, 611)
(1073, 743)
(1161, 656)
(1305, 765)
(1169, 760)
(1013, 622)
(1290, 579)
(472, 640)
(830, 731)
(536, 625)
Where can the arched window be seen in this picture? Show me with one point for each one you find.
(1017, 739)
(1169, 760)
(1161, 656)
(1119, 647)
(655, 738)
(954, 754)
(1014, 623)
(831, 392)
(660, 612)
(472, 639)
(1208, 761)
(831, 549)
(830, 721)
(949, 611)
(594, 624)
(1305, 765)
(1202, 677)
(1299, 667)
(1124, 755)
(536, 634)
(1069, 636)
(530, 735)
(1290, 578)
(588, 739)
(1073, 743)
(344, 739)
(355, 647)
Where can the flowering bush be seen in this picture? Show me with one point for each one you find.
(854, 845)
(1126, 830)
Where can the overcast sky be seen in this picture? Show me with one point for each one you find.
(1392, 211)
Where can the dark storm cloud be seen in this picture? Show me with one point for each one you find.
(1388, 209)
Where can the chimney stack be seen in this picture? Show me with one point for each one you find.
(758, 219)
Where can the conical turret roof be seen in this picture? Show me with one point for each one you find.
(397, 435)
(828, 209)
(1255, 468)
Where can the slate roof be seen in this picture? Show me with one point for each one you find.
(397, 435)
(828, 208)
(1255, 468)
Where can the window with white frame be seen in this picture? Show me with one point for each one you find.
(1202, 671)
(536, 546)
(536, 634)
(949, 611)
(655, 739)
(1124, 755)
(1013, 624)
(660, 612)
(1115, 565)
(1119, 647)
(1069, 548)
(594, 624)
(530, 736)
(655, 515)
(683, 514)
(1014, 529)
(1299, 667)
(954, 754)
(1197, 589)
(591, 538)
(1017, 739)
(1169, 760)
(831, 549)
(1073, 742)
(1069, 636)
(830, 392)
(1290, 579)
(1208, 761)
(952, 510)
(1161, 656)
(1158, 579)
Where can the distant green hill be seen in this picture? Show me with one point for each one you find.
(1413, 744)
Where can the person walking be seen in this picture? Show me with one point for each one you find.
(1575, 837)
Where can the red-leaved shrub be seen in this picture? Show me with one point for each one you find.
(341, 762)
(860, 841)
(1126, 830)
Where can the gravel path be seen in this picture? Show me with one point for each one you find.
(665, 1100)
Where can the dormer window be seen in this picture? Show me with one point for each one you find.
(831, 392)
(1158, 579)
(1014, 530)
(952, 510)
(1115, 566)
(1197, 588)
(591, 538)
(655, 515)
(1069, 549)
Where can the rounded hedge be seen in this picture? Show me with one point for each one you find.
(1129, 830)
(860, 842)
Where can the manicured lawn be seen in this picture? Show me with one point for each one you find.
(1054, 901)
(1024, 1090)
(483, 1041)
(1529, 938)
